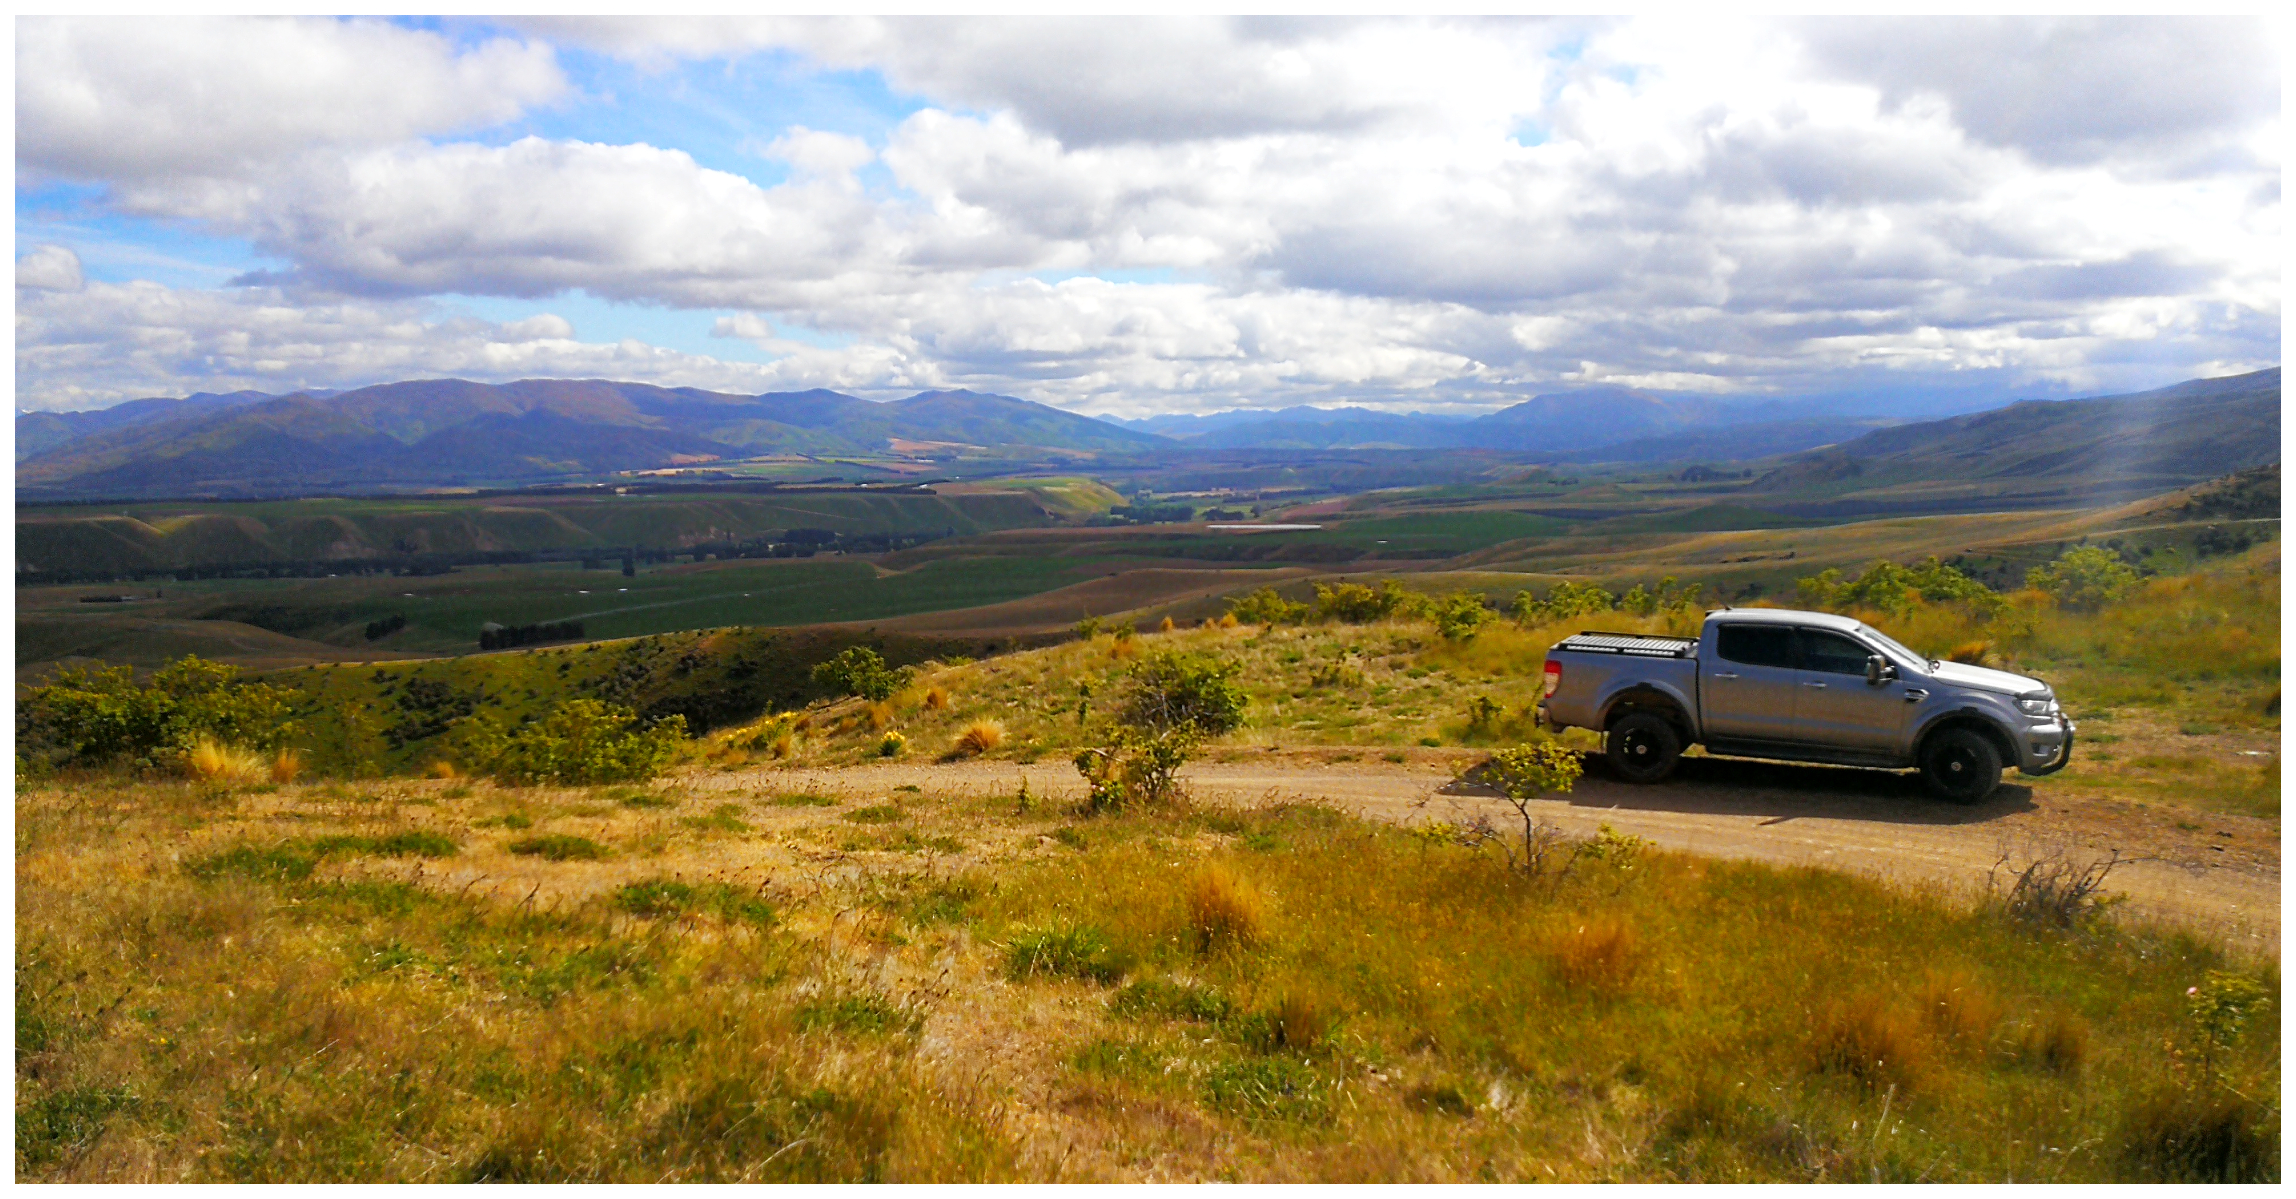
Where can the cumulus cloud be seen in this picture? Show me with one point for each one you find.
(1416, 213)
(146, 101)
(49, 268)
(106, 343)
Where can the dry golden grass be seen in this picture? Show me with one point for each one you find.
(1873, 1040)
(1599, 953)
(630, 1018)
(2056, 1040)
(1224, 911)
(936, 699)
(1958, 1006)
(216, 762)
(1227, 620)
(880, 715)
(1165, 627)
(440, 768)
(978, 738)
(786, 745)
(1974, 653)
(286, 765)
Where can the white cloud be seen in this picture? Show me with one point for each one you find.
(142, 100)
(49, 268)
(1418, 213)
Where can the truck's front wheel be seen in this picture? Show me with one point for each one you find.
(1961, 765)
(1643, 748)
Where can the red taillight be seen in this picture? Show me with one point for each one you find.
(1554, 675)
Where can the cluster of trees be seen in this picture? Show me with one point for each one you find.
(1458, 617)
(379, 629)
(94, 716)
(1151, 514)
(495, 636)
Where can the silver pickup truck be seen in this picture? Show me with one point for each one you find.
(1804, 687)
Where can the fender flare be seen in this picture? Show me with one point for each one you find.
(2003, 739)
(1660, 695)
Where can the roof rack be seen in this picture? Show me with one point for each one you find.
(1629, 643)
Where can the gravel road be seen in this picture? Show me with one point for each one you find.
(2216, 874)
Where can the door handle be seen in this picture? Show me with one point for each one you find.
(1720, 675)
(1819, 686)
(1914, 695)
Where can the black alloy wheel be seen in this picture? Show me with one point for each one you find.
(1643, 748)
(1961, 765)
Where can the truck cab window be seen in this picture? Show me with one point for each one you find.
(1832, 653)
(1758, 645)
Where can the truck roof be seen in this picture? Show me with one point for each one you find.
(1823, 620)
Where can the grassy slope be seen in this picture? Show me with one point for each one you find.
(148, 536)
(830, 998)
(2187, 671)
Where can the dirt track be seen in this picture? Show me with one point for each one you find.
(2221, 876)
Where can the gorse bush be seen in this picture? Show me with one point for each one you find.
(2085, 578)
(1266, 607)
(581, 741)
(1358, 603)
(1894, 589)
(1460, 617)
(1566, 601)
(860, 671)
(96, 715)
(1194, 692)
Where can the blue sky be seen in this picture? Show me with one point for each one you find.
(1129, 217)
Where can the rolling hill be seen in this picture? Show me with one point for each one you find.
(453, 432)
(2127, 445)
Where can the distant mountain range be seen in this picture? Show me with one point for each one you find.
(452, 432)
(449, 431)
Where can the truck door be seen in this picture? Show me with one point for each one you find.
(1746, 690)
(1835, 705)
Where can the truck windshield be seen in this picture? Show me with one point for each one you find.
(1903, 655)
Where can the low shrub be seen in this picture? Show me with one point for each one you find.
(580, 741)
(891, 745)
(860, 671)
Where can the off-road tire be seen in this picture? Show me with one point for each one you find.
(1643, 747)
(1961, 765)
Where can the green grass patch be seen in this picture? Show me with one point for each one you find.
(559, 847)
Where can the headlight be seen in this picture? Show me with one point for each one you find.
(2040, 703)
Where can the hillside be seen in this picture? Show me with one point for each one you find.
(2040, 451)
(452, 432)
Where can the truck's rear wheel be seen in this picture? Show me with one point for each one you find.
(1961, 765)
(1643, 748)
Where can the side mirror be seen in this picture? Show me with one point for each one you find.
(1878, 670)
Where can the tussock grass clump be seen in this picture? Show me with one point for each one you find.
(863, 1015)
(1958, 1006)
(2056, 1041)
(440, 768)
(1072, 951)
(978, 738)
(1224, 911)
(876, 814)
(1974, 653)
(880, 714)
(1872, 1040)
(212, 761)
(558, 847)
(1600, 953)
(803, 799)
(2206, 1135)
(286, 765)
(936, 699)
